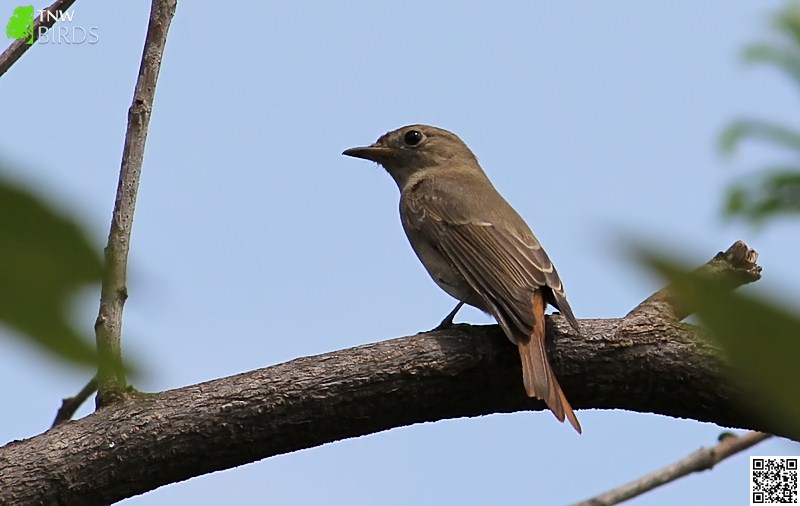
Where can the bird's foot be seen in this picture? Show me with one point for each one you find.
(446, 324)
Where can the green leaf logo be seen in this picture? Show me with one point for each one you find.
(20, 25)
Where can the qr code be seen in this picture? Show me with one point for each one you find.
(773, 480)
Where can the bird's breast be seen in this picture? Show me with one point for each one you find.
(439, 268)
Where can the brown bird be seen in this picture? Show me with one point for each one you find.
(475, 246)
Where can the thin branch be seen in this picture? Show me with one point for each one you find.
(69, 405)
(734, 267)
(701, 460)
(108, 327)
(42, 23)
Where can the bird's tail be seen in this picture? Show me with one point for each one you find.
(537, 375)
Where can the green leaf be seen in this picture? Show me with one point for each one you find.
(45, 257)
(775, 193)
(788, 21)
(756, 129)
(786, 59)
(761, 339)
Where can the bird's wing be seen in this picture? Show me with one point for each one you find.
(505, 265)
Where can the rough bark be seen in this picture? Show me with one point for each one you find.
(643, 362)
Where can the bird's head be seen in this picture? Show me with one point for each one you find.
(415, 148)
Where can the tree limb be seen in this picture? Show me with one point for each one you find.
(17, 48)
(734, 267)
(108, 327)
(700, 460)
(650, 365)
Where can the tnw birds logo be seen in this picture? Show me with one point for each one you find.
(55, 27)
(20, 25)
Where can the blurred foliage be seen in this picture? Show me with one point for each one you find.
(775, 190)
(45, 257)
(760, 339)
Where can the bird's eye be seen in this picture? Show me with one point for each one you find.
(412, 137)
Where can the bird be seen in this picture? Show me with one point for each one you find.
(475, 246)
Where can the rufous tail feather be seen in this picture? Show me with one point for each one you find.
(537, 375)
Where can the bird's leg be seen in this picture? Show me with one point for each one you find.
(448, 320)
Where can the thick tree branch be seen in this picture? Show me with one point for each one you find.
(650, 366)
(734, 267)
(41, 24)
(108, 327)
(701, 460)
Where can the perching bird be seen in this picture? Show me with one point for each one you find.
(475, 246)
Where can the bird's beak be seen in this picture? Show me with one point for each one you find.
(374, 153)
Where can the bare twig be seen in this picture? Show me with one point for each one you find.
(701, 460)
(734, 267)
(19, 46)
(69, 405)
(111, 378)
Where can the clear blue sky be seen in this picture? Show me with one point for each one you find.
(256, 242)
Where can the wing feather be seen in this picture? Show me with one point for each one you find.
(504, 265)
